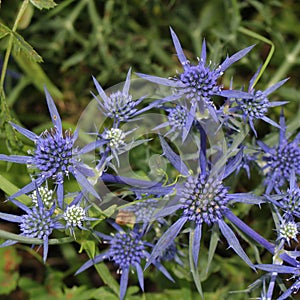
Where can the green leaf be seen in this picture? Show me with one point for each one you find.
(37, 76)
(10, 189)
(4, 31)
(40, 4)
(20, 46)
(101, 268)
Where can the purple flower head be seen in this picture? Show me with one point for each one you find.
(143, 210)
(127, 250)
(288, 201)
(282, 160)
(257, 106)
(54, 157)
(119, 105)
(204, 199)
(201, 198)
(177, 117)
(198, 83)
(37, 222)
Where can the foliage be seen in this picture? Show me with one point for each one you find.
(59, 46)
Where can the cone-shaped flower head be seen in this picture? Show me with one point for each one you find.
(127, 250)
(120, 105)
(54, 157)
(282, 160)
(203, 199)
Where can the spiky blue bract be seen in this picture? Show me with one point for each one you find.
(37, 222)
(294, 272)
(256, 107)
(127, 250)
(54, 157)
(281, 160)
(197, 83)
(119, 105)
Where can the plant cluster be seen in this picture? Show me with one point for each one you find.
(197, 137)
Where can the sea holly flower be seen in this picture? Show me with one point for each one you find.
(288, 201)
(177, 120)
(203, 199)
(46, 195)
(143, 210)
(127, 250)
(257, 106)
(281, 160)
(110, 144)
(294, 272)
(54, 157)
(288, 231)
(37, 222)
(198, 83)
(76, 216)
(119, 105)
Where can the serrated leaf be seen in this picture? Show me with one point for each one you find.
(4, 31)
(43, 4)
(20, 46)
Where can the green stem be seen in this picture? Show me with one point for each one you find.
(265, 40)
(9, 47)
(35, 241)
(286, 65)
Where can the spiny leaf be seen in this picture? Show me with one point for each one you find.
(4, 31)
(24, 48)
(40, 4)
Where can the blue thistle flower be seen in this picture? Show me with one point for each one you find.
(282, 269)
(54, 157)
(143, 210)
(198, 83)
(282, 160)
(203, 199)
(119, 105)
(178, 118)
(257, 106)
(288, 201)
(37, 222)
(127, 250)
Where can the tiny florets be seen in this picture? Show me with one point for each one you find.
(74, 215)
(203, 199)
(200, 82)
(127, 249)
(290, 203)
(288, 231)
(37, 223)
(120, 106)
(46, 196)
(281, 163)
(115, 136)
(53, 153)
(177, 117)
(255, 108)
(143, 210)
